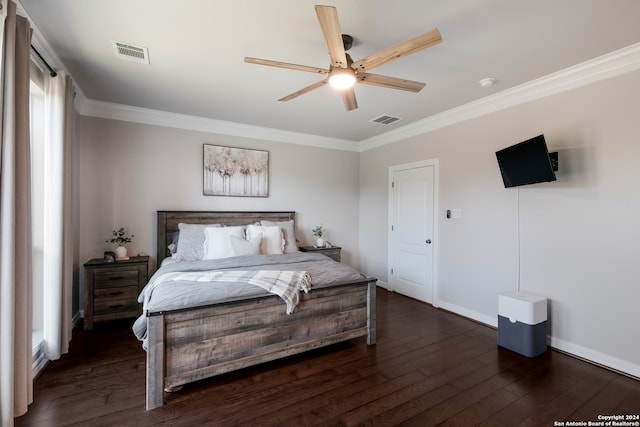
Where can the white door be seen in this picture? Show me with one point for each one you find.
(412, 230)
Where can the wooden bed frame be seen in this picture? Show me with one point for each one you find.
(180, 342)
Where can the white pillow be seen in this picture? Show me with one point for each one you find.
(217, 242)
(242, 247)
(272, 240)
(291, 246)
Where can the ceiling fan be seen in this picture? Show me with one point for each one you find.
(343, 72)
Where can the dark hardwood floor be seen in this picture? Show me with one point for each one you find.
(429, 367)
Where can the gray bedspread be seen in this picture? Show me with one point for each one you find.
(175, 295)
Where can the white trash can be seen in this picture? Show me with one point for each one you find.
(522, 323)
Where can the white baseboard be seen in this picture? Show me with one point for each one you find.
(605, 360)
(474, 315)
(478, 317)
(587, 354)
(382, 284)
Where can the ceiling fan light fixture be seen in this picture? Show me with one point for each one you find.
(343, 72)
(342, 78)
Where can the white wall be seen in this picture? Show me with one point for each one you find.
(128, 171)
(579, 236)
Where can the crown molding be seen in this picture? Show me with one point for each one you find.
(43, 47)
(606, 66)
(603, 67)
(610, 65)
(89, 107)
(127, 113)
(37, 39)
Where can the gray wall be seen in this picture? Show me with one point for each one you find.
(128, 171)
(579, 236)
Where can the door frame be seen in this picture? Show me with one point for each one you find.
(436, 221)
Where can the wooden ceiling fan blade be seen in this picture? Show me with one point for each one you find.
(303, 90)
(391, 82)
(328, 18)
(399, 50)
(349, 98)
(286, 65)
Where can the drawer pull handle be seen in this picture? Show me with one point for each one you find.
(116, 306)
(116, 293)
(116, 278)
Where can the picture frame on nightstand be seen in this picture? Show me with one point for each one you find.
(109, 256)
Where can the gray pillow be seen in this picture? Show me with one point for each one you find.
(191, 241)
(288, 228)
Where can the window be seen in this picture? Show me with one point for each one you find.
(37, 209)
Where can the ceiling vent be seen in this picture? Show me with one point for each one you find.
(385, 119)
(131, 52)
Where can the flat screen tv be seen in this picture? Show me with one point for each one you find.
(526, 163)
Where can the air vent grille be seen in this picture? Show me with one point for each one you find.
(131, 52)
(385, 119)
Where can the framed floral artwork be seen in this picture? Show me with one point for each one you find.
(235, 171)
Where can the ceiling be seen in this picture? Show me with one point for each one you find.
(196, 50)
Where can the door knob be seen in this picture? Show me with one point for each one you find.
(428, 241)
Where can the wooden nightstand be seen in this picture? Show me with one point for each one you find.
(111, 289)
(333, 252)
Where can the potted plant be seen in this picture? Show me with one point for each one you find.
(318, 232)
(119, 237)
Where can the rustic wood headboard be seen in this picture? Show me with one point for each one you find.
(168, 223)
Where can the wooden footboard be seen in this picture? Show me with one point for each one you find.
(189, 345)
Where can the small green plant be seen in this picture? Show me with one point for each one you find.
(318, 231)
(119, 237)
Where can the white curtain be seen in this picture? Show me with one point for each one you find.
(58, 243)
(16, 382)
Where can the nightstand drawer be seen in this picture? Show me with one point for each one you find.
(128, 292)
(109, 277)
(116, 300)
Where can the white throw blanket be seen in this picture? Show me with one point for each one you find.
(286, 284)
